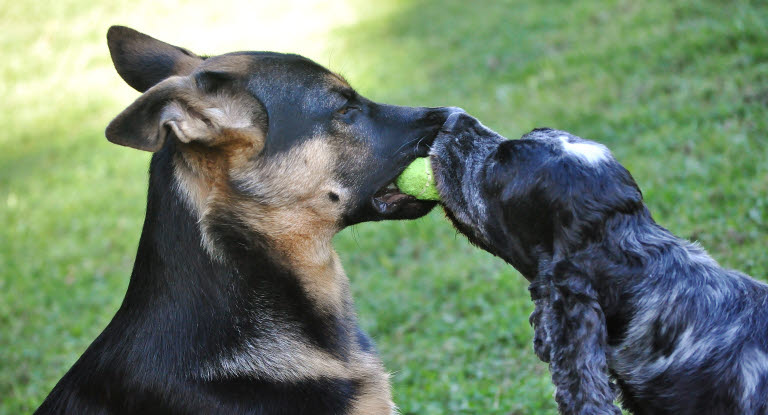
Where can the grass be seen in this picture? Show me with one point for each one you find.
(678, 91)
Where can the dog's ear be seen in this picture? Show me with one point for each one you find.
(183, 107)
(575, 328)
(143, 61)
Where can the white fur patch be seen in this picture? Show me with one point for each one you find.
(592, 153)
(754, 370)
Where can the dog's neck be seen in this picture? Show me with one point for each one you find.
(219, 303)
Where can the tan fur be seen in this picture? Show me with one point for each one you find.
(240, 65)
(338, 80)
(300, 219)
(186, 65)
(290, 359)
(211, 119)
(221, 131)
(285, 358)
(299, 222)
(375, 396)
(285, 198)
(201, 170)
(219, 167)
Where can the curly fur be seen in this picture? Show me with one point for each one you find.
(618, 298)
(570, 335)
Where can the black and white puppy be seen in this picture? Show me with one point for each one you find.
(618, 297)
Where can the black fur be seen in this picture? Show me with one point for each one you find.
(182, 309)
(618, 297)
(198, 297)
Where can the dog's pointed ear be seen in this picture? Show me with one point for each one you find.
(143, 61)
(176, 107)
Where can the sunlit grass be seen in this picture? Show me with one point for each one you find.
(72, 204)
(678, 90)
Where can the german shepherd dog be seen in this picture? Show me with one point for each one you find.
(621, 304)
(237, 303)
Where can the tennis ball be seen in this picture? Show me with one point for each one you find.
(418, 180)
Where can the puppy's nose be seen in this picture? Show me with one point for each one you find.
(452, 122)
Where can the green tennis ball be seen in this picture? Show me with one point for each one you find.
(418, 180)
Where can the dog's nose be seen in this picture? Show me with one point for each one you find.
(453, 119)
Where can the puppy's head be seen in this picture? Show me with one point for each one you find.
(274, 140)
(548, 191)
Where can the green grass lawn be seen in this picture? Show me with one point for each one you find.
(678, 90)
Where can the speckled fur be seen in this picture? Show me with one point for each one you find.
(622, 306)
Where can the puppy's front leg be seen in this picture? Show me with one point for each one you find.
(573, 324)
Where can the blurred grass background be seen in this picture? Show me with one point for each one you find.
(678, 90)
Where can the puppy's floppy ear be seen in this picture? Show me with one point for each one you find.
(178, 107)
(576, 331)
(143, 61)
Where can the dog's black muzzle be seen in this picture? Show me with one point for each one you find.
(410, 134)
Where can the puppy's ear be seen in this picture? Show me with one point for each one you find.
(178, 107)
(143, 61)
(577, 333)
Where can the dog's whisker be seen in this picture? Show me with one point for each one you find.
(419, 142)
(406, 144)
